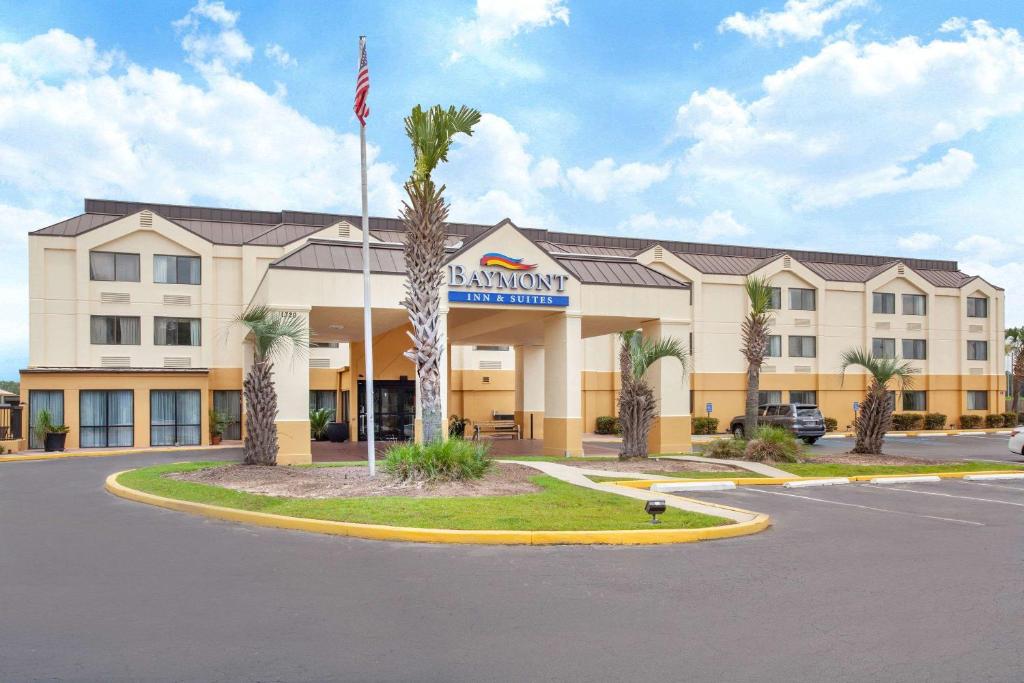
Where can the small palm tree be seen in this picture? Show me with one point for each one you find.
(272, 332)
(431, 133)
(1015, 350)
(754, 334)
(875, 416)
(637, 406)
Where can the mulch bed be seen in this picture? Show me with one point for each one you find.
(649, 465)
(355, 482)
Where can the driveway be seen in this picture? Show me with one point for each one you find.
(935, 448)
(94, 588)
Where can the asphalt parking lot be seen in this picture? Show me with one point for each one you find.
(934, 448)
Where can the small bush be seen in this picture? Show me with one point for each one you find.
(905, 421)
(1010, 420)
(607, 425)
(705, 425)
(934, 421)
(772, 444)
(728, 449)
(970, 421)
(831, 424)
(994, 420)
(452, 460)
(318, 420)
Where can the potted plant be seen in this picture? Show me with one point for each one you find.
(218, 421)
(53, 436)
(457, 427)
(318, 420)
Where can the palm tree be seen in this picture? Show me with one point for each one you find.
(637, 406)
(431, 133)
(271, 332)
(754, 334)
(875, 416)
(1015, 349)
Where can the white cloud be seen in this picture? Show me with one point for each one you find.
(985, 248)
(218, 50)
(919, 241)
(604, 179)
(953, 24)
(857, 121)
(278, 54)
(717, 225)
(798, 20)
(496, 22)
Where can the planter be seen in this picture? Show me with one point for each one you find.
(457, 431)
(54, 442)
(215, 439)
(337, 432)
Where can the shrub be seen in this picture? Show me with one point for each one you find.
(452, 460)
(728, 449)
(970, 421)
(934, 421)
(705, 425)
(318, 420)
(994, 420)
(457, 427)
(607, 425)
(906, 421)
(772, 444)
(831, 424)
(1010, 420)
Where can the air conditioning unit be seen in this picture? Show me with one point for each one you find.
(802, 368)
(768, 368)
(490, 365)
(115, 361)
(177, 362)
(977, 371)
(882, 326)
(802, 322)
(115, 298)
(913, 326)
(177, 300)
(319, 362)
(975, 328)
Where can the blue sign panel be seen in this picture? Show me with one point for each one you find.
(856, 406)
(709, 407)
(506, 299)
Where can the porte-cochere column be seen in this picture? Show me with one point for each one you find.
(563, 370)
(671, 430)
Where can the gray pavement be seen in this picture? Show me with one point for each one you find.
(860, 584)
(936, 448)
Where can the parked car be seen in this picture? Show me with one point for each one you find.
(1016, 443)
(803, 419)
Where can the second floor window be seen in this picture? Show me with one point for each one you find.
(110, 266)
(176, 331)
(801, 299)
(775, 298)
(883, 347)
(914, 304)
(802, 347)
(774, 349)
(181, 270)
(883, 302)
(114, 329)
(977, 350)
(977, 307)
(915, 349)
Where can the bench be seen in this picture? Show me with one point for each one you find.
(499, 427)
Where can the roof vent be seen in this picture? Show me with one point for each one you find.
(344, 231)
(146, 219)
(787, 262)
(901, 269)
(115, 298)
(490, 365)
(319, 362)
(177, 300)
(114, 361)
(177, 362)
(659, 253)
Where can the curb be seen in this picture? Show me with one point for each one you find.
(105, 454)
(781, 481)
(381, 532)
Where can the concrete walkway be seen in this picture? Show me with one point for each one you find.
(760, 468)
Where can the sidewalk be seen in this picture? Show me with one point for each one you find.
(28, 456)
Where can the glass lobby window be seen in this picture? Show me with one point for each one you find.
(801, 299)
(914, 304)
(764, 397)
(38, 401)
(915, 349)
(176, 331)
(181, 270)
(774, 349)
(174, 417)
(915, 400)
(977, 307)
(803, 397)
(106, 418)
(776, 298)
(229, 404)
(977, 350)
(802, 347)
(883, 302)
(326, 400)
(977, 400)
(883, 347)
(113, 266)
(114, 329)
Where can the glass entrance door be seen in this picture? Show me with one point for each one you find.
(394, 410)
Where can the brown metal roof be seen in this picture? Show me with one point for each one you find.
(584, 249)
(723, 265)
(219, 232)
(77, 225)
(283, 234)
(343, 257)
(607, 271)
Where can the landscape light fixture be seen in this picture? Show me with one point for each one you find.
(655, 508)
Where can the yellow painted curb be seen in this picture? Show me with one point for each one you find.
(105, 454)
(381, 532)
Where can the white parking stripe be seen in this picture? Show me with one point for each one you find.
(998, 486)
(944, 495)
(866, 507)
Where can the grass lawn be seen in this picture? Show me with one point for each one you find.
(559, 506)
(825, 469)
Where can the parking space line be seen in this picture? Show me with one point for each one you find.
(944, 495)
(998, 486)
(866, 507)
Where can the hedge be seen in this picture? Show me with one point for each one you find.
(607, 425)
(934, 421)
(831, 424)
(1011, 419)
(970, 421)
(993, 421)
(705, 425)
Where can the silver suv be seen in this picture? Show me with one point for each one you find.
(803, 419)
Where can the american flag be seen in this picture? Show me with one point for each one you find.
(362, 109)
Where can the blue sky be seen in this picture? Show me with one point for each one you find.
(847, 125)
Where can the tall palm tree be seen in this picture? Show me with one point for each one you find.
(637, 405)
(875, 416)
(431, 133)
(754, 334)
(272, 333)
(1015, 349)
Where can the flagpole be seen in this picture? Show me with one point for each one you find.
(368, 400)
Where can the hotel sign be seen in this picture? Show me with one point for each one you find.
(506, 281)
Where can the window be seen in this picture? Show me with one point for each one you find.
(915, 400)
(323, 345)
(914, 304)
(174, 417)
(776, 298)
(801, 299)
(107, 418)
(883, 348)
(803, 397)
(113, 266)
(883, 302)
(323, 399)
(977, 400)
(344, 406)
(38, 401)
(229, 404)
(114, 329)
(915, 349)
(764, 397)
(176, 331)
(802, 347)
(977, 350)
(774, 349)
(977, 307)
(182, 270)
